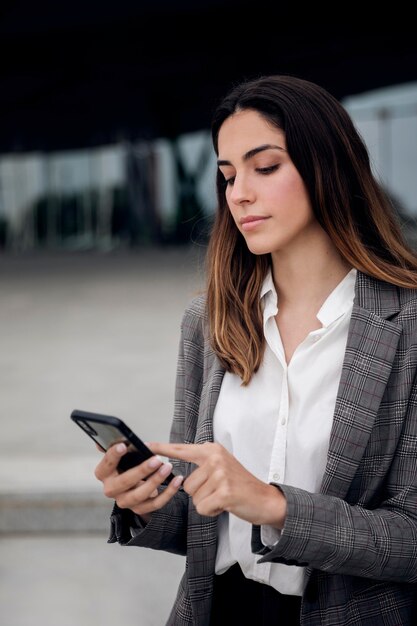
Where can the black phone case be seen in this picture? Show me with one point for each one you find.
(96, 426)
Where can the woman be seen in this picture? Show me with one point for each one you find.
(295, 424)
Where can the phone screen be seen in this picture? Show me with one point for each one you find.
(105, 435)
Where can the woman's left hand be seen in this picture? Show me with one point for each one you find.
(220, 483)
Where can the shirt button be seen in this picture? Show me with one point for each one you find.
(283, 421)
(276, 476)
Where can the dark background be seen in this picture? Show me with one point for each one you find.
(85, 73)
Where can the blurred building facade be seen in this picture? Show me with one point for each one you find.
(387, 121)
(115, 195)
(163, 191)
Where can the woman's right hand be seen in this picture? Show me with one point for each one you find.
(137, 488)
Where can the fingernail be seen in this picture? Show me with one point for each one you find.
(176, 482)
(120, 448)
(165, 469)
(154, 462)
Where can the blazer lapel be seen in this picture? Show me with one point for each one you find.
(212, 381)
(202, 531)
(370, 351)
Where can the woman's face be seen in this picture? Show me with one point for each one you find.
(264, 191)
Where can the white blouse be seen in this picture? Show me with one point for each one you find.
(279, 425)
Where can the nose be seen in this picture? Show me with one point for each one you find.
(241, 191)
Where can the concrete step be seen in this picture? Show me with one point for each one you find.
(51, 495)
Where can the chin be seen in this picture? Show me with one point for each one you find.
(259, 250)
(259, 245)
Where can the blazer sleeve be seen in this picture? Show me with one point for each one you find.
(329, 534)
(167, 529)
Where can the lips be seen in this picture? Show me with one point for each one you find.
(250, 222)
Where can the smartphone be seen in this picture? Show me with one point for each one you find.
(107, 430)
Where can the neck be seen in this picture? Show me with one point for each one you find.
(308, 277)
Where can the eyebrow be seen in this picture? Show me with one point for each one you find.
(251, 153)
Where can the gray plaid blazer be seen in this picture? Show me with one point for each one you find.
(358, 536)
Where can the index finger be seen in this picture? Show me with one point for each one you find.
(190, 452)
(110, 461)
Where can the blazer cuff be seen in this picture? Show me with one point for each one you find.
(295, 534)
(127, 528)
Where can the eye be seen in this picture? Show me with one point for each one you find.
(267, 170)
(228, 182)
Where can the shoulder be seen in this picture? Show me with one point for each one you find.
(407, 315)
(382, 297)
(194, 319)
(389, 302)
(407, 297)
(196, 307)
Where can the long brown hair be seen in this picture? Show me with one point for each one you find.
(348, 202)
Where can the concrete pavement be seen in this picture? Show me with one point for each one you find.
(97, 332)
